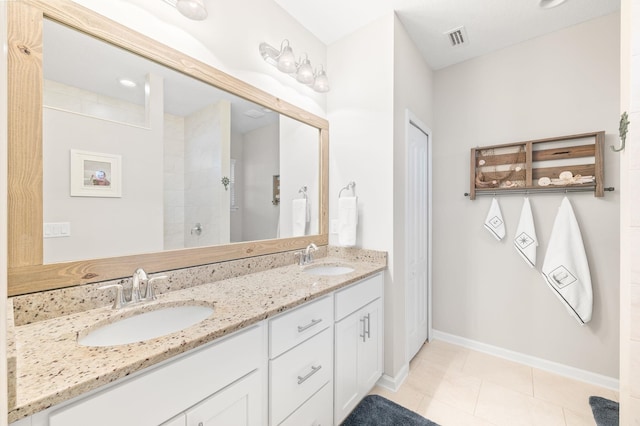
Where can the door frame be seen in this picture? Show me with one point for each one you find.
(412, 119)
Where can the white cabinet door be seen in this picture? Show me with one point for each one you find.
(358, 357)
(347, 338)
(370, 348)
(239, 404)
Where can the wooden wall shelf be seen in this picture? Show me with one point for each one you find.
(529, 165)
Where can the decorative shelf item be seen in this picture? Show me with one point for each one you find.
(568, 163)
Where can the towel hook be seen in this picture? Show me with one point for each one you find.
(350, 186)
(303, 190)
(624, 125)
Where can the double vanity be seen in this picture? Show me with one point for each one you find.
(288, 345)
(240, 334)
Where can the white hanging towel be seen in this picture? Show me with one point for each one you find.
(299, 217)
(494, 222)
(526, 241)
(565, 268)
(347, 221)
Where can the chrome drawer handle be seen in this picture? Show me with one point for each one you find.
(313, 371)
(364, 329)
(368, 325)
(302, 328)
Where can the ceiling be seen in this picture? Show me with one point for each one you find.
(95, 66)
(490, 24)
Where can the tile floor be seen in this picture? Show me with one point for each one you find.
(455, 386)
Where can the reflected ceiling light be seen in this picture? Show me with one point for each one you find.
(548, 4)
(192, 9)
(302, 71)
(127, 83)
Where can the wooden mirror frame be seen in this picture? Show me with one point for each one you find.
(27, 273)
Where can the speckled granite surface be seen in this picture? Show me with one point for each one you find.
(51, 367)
(54, 303)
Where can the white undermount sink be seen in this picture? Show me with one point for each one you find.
(328, 270)
(147, 325)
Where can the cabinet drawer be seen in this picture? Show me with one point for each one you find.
(294, 327)
(298, 374)
(358, 295)
(315, 412)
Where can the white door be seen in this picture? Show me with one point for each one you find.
(417, 237)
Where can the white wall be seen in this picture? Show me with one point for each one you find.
(361, 107)
(104, 227)
(261, 161)
(378, 74)
(299, 166)
(560, 84)
(630, 212)
(413, 91)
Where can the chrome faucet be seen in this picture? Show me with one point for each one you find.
(305, 257)
(139, 277)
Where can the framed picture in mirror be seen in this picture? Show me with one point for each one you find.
(94, 174)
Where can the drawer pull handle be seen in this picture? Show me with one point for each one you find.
(369, 325)
(302, 328)
(364, 329)
(313, 371)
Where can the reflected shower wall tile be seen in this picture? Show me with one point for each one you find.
(62, 101)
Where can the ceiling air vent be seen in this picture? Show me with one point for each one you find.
(457, 36)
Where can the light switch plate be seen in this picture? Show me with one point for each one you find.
(56, 230)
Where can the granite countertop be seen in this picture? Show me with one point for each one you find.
(51, 367)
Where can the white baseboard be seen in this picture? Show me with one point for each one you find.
(394, 383)
(531, 361)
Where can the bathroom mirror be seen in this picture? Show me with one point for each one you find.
(188, 167)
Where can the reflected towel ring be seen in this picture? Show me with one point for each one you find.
(303, 190)
(350, 186)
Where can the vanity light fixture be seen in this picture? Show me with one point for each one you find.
(301, 70)
(192, 9)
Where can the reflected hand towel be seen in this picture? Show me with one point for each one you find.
(299, 217)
